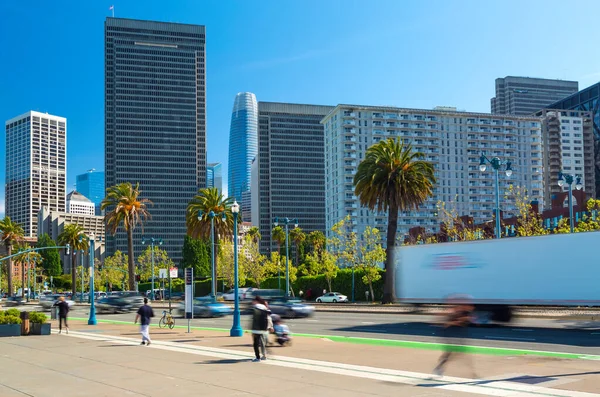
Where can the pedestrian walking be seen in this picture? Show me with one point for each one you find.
(455, 331)
(144, 314)
(63, 311)
(261, 321)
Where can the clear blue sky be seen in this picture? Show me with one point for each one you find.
(404, 53)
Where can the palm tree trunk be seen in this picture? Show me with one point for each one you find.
(22, 279)
(131, 264)
(389, 291)
(73, 273)
(10, 270)
(213, 275)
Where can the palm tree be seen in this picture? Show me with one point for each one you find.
(254, 234)
(393, 178)
(11, 233)
(298, 237)
(127, 208)
(209, 199)
(278, 236)
(73, 235)
(21, 260)
(317, 240)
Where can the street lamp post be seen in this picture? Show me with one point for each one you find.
(236, 329)
(496, 163)
(92, 319)
(81, 297)
(213, 270)
(152, 242)
(286, 222)
(568, 179)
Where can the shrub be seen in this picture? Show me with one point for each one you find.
(8, 319)
(37, 317)
(13, 312)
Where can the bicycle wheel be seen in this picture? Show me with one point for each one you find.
(171, 323)
(161, 323)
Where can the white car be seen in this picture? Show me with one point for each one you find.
(332, 297)
(230, 295)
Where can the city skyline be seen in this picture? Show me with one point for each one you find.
(243, 64)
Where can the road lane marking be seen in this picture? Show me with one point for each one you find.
(367, 322)
(510, 338)
(421, 380)
(522, 330)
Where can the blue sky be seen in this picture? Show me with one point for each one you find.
(403, 53)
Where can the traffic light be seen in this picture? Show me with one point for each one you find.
(138, 278)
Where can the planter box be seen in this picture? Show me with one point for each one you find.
(40, 329)
(10, 330)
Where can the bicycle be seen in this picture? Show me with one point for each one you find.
(166, 320)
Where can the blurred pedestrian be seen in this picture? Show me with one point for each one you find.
(455, 331)
(261, 321)
(144, 314)
(63, 311)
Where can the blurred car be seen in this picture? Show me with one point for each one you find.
(290, 308)
(332, 297)
(230, 295)
(113, 304)
(47, 301)
(14, 301)
(205, 308)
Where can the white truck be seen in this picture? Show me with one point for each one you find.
(553, 270)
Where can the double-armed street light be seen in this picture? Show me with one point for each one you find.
(496, 163)
(286, 222)
(153, 242)
(236, 329)
(568, 179)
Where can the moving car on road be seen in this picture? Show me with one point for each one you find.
(47, 301)
(205, 308)
(290, 308)
(332, 297)
(230, 295)
(113, 304)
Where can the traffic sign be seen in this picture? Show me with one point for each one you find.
(162, 273)
(173, 272)
(189, 279)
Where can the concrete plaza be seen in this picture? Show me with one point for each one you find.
(107, 360)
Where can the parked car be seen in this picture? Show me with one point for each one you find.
(205, 308)
(290, 308)
(332, 297)
(230, 295)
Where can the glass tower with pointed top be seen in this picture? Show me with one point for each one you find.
(243, 145)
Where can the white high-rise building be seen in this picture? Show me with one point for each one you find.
(452, 140)
(36, 167)
(77, 203)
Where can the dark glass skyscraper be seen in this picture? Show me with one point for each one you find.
(243, 143)
(155, 121)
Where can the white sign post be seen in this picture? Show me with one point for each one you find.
(189, 295)
(162, 273)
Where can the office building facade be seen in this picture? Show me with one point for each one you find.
(36, 167)
(523, 96)
(77, 203)
(568, 140)
(243, 147)
(289, 168)
(91, 185)
(452, 141)
(155, 121)
(214, 176)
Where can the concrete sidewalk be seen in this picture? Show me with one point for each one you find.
(107, 360)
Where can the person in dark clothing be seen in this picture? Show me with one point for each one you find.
(455, 330)
(260, 327)
(63, 311)
(144, 314)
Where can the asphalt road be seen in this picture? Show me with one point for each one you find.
(555, 335)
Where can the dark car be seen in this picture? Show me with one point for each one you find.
(290, 308)
(113, 304)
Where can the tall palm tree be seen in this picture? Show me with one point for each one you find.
(254, 234)
(317, 240)
(298, 237)
(278, 236)
(21, 260)
(209, 199)
(127, 208)
(393, 177)
(11, 233)
(73, 235)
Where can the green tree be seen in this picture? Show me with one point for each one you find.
(11, 233)
(317, 240)
(297, 236)
(196, 254)
(115, 270)
(161, 261)
(372, 254)
(278, 236)
(453, 226)
(50, 257)
(253, 262)
(74, 236)
(126, 208)
(529, 223)
(254, 234)
(393, 177)
(225, 265)
(329, 268)
(27, 262)
(198, 218)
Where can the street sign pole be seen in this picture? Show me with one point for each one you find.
(189, 295)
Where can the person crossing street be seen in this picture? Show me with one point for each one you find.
(144, 315)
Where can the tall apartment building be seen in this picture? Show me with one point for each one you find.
(290, 167)
(243, 147)
(36, 167)
(568, 139)
(54, 222)
(155, 121)
(452, 141)
(214, 176)
(77, 203)
(526, 95)
(91, 185)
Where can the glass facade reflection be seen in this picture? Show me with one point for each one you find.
(243, 143)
